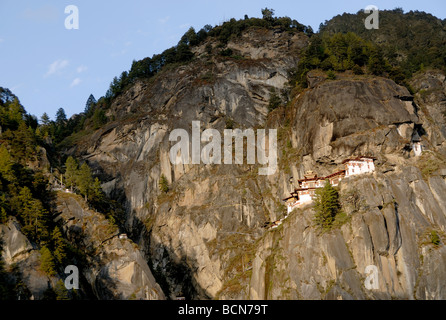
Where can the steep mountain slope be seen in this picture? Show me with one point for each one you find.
(206, 233)
(205, 238)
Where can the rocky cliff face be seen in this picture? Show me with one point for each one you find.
(23, 258)
(205, 238)
(113, 265)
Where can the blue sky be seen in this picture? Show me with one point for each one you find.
(48, 66)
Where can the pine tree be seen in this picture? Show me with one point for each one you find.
(326, 206)
(45, 119)
(32, 215)
(61, 291)
(71, 172)
(6, 164)
(61, 117)
(91, 101)
(96, 191)
(58, 245)
(84, 181)
(47, 262)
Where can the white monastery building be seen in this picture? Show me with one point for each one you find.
(307, 187)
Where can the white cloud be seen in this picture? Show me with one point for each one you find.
(81, 69)
(56, 67)
(1, 40)
(185, 25)
(75, 82)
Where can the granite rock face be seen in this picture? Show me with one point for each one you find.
(20, 254)
(389, 231)
(206, 237)
(115, 267)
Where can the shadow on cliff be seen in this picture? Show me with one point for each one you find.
(172, 273)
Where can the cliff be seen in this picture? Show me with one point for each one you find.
(205, 238)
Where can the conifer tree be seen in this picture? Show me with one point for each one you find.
(326, 206)
(58, 245)
(32, 215)
(61, 291)
(71, 172)
(6, 164)
(84, 181)
(47, 262)
(45, 119)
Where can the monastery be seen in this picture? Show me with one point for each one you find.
(417, 145)
(306, 191)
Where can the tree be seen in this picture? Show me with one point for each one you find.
(84, 181)
(15, 113)
(274, 100)
(163, 184)
(61, 291)
(99, 118)
(91, 101)
(58, 245)
(61, 117)
(45, 119)
(47, 262)
(32, 215)
(268, 14)
(189, 38)
(6, 164)
(22, 142)
(96, 193)
(326, 206)
(71, 172)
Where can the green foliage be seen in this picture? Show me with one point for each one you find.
(331, 75)
(274, 100)
(61, 291)
(12, 112)
(164, 184)
(47, 262)
(6, 164)
(268, 14)
(408, 41)
(89, 105)
(61, 117)
(84, 180)
(71, 172)
(22, 143)
(229, 123)
(99, 118)
(59, 246)
(434, 238)
(81, 181)
(32, 215)
(338, 52)
(326, 205)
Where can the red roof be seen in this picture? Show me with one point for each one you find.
(335, 174)
(341, 172)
